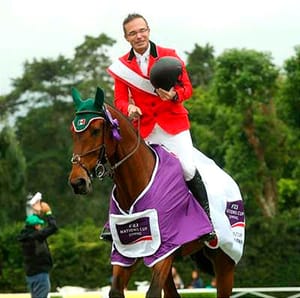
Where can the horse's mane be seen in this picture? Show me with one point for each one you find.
(123, 118)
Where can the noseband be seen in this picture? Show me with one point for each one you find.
(103, 168)
(100, 170)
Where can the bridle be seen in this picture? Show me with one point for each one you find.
(103, 168)
(100, 170)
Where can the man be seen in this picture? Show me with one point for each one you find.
(162, 116)
(36, 253)
(196, 280)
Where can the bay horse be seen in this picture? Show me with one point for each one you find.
(105, 143)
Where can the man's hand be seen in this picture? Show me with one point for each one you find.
(166, 95)
(45, 208)
(134, 112)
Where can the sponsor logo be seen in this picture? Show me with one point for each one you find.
(135, 231)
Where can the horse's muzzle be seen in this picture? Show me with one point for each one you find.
(81, 186)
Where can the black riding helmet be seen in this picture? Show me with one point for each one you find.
(165, 72)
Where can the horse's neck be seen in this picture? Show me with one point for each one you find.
(134, 174)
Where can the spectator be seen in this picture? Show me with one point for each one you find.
(196, 281)
(177, 279)
(33, 204)
(213, 283)
(36, 253)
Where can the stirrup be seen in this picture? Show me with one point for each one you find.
(208, 237)
(106, 235)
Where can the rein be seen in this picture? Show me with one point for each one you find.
(100, 169)
(132, 152)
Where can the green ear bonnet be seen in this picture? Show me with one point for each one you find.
(87, 110)
(91, 109)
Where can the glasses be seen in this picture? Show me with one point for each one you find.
(135, 33)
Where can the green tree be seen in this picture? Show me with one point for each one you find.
(270, 243)
(80, 258)
(90, 62)
(3, 115)
(42, 97)
(208, 123)
(200, 65)
(45, 137)
(46, 81)
(43, 82)
(11, 260)
(288, 105)
(243, 88)
(12, 172)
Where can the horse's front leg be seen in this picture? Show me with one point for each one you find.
(170, 290)
(120, 278)
(160, 275)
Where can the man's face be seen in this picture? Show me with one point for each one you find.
(137, 34)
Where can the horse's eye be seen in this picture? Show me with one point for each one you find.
(95, 132)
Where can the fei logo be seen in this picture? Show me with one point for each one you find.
(135, 231)
(235, 213)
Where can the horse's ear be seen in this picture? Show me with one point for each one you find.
(99, 99)
(76, 97)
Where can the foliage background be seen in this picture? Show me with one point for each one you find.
(244, 114)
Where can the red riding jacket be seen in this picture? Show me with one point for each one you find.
(132, 86)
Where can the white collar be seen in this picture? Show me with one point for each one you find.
(145, 55)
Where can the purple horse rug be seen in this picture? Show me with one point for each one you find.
(162, 218)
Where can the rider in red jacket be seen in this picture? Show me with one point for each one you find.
(159, 107)
(170, 115)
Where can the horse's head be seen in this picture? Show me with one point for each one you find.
(89, 138)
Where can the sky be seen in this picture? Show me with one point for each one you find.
(37, 29)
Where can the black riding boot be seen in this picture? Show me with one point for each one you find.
(197, 188)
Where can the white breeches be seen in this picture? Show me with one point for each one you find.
(180, 144)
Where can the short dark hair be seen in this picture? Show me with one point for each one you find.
(131, 17)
